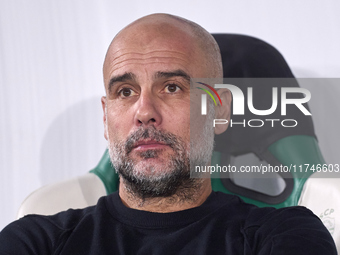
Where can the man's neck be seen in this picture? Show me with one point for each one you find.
(165, 204)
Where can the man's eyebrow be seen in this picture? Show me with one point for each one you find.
(176, 73)
(121, 78)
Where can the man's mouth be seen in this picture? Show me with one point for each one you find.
(149, 144)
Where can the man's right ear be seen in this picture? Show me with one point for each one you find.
(103, 99)
(223, 112)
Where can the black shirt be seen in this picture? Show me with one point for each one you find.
(223, 224)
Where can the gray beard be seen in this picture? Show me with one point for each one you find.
(175, 178)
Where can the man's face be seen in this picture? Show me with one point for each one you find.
(147, 78)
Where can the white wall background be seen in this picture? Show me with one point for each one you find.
(51, 54)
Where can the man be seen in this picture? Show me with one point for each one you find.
(159, 209)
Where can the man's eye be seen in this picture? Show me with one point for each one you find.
(171, 88)
(126, 92)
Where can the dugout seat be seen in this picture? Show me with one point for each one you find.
(243, 57)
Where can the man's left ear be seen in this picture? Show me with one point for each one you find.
(223, 111)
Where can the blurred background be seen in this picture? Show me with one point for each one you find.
(51, 55)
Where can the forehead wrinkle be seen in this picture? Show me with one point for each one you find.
(156, 62)
(113, 63)
(115, 66)
(137, 60)
(144, 53)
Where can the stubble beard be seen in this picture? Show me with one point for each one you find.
(171, 178)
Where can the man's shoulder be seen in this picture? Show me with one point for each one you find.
(271, 225)
(291, 229)
(64, 220)
(41, 234)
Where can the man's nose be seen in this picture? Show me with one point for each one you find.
(148, 110)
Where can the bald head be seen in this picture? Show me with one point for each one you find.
(152, 32)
